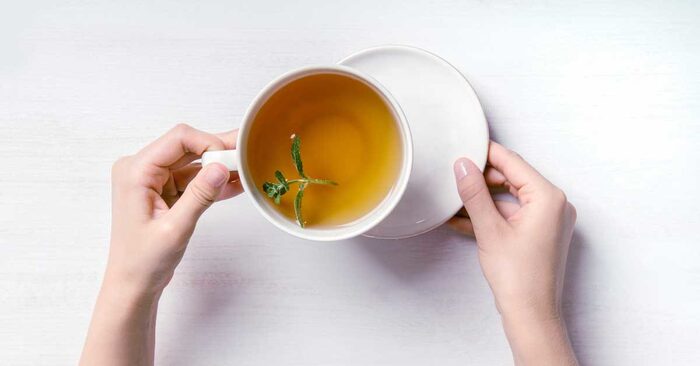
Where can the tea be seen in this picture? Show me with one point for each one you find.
(348, 135)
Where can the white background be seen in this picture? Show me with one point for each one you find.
(602, 96)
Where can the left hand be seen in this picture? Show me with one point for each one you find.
(157, 198)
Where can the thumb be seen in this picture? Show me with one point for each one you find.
(476, 197)
(200, 193)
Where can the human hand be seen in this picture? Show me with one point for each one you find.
(151, 225)
(157, 198)
(522, 247)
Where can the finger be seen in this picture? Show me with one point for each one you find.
(507, 209)
(498, 183)
(231, 189)
(169, 193)
(169, 188)
(202, 191)
(184, 161)
(493, 177)
(461, 225)
(514, 169)
(229, 138)
(476, 197)
(183, 176)
(178, 143)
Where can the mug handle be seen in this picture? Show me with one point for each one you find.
(229, 158)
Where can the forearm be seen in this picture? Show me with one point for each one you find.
(539, 341)
(122, 330)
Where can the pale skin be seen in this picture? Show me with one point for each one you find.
(522, 251)
(158, 196)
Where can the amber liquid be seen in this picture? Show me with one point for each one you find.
(348, 135)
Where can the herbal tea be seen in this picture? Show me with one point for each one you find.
(345, 133)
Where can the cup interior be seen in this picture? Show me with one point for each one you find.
(326, 233)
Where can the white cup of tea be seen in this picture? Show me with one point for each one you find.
(240, 159)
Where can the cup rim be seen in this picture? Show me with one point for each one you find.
(369, 220)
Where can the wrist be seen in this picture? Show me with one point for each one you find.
(122, 330)
(130, 294)
(532, 322)
(542, 314)
(538, 339)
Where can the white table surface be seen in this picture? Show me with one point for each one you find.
(602, 96)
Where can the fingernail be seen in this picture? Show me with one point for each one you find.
(461, 168)
(215, 176)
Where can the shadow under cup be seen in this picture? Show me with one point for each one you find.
(351, 131)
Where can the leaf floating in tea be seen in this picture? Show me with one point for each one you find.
(276, 190)
(281, 179)
(297, 204)
(296, 155)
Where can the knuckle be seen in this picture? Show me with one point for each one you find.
(561, 196)
(144, 174)
(555, 198)
(166, 228)
(120, 166)
(181, 129)
(201, 195)
(558, 197)
(468, 190)
(169, 229)
(119, 163)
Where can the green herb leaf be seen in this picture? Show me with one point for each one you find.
(268, 188)
(297, 204)
(281, 179)
(296, 155)
(276, 190)
(323, 181)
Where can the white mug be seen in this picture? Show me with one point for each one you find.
(235, 160)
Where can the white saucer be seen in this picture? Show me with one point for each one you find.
(446, 121)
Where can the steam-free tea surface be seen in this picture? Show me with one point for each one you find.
(348, 135)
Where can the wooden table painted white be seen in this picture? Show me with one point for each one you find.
(602, 96)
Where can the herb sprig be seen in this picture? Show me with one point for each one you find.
(276, 190)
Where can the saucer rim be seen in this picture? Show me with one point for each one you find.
(481, 165)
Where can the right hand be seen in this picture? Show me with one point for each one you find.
(522, 247)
